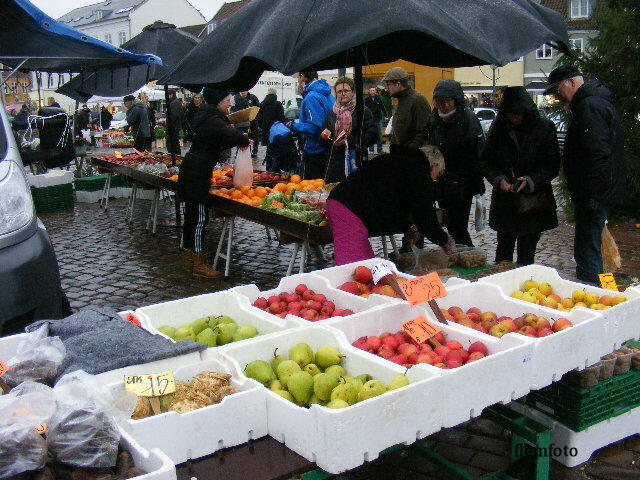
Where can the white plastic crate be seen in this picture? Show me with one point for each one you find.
(155, 463)
(237, 419)
(575, 347)
(579, 446)
(338, 440)
(51, 178)
(624, 319)
(342, 300)
(157, 366)
(9, 345)
(502, 376)
(88, 197)
(186, 310)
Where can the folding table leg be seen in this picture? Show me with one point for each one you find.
(229, 244)
(132, 203)
(268, 233)
(392, 238)
(104, 201)
(155, 216)
(227, 234)
(385, 251)
(292, 262)
(154, 202)
(220, 242)
(303, 256)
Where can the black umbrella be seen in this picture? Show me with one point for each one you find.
(162, 39)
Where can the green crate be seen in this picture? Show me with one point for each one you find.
(91, 184)
(52, 205)
(53, 191)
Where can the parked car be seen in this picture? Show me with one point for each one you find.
(486, 116)
(119, 120)
(29, 272)
(558, 119)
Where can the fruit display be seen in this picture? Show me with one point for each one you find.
(528, 324)
(211, 330)
(206, 388)
(400, 348)
(542, 294)
(302, 302)
(133, 160)
(363, 286)
(307, 378)
(224, 176)
(289, 206)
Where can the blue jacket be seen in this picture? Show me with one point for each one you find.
(317, 102)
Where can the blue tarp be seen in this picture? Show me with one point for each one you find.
(28, 33)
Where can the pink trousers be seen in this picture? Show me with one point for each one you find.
(350, 236)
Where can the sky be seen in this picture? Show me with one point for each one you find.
(57, 8)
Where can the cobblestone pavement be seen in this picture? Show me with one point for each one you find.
(105, 261)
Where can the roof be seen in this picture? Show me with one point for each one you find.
(228, 9)
(562, 6)
(110, 10)
(195, 30)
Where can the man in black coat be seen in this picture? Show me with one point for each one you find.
(375, 104)
(271, 111)
(593, 163)
(175, 112)
(105, 118)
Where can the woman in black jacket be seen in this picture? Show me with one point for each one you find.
(456, 131)
(212, 134)
(339, 132)
(521, 156)
(271, 111)
(189, 113)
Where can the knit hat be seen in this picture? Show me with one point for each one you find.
(213, 96)
(449, 88)
(129, 98)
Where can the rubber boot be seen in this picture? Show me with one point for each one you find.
(200, 267)
(187, 260)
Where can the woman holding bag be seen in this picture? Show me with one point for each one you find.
(520, 159)
(212, 135)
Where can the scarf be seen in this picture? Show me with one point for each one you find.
(447, 116)
(344, 116)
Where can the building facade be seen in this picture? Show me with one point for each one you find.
(480, 82)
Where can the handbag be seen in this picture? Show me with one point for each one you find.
(536, 202)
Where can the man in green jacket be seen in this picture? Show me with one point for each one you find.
(411, 113)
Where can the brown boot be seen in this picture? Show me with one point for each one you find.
(187, 260)
(200, 267)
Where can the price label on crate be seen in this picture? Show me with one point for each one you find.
(423, 289)
(381, 270)
(4, 368)
(420, 329)
(147, 385)
(41, 429)
(132, 319)
(608, 281)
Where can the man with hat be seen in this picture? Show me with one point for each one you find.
(593, 162)
(212, 134)
(138, 120)
(411, 113)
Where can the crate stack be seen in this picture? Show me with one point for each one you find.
(52, 191)
(89, 189)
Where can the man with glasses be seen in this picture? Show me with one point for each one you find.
(593, 162)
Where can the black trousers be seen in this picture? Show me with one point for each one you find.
(457, 220)
(140, 143)
(315, 165)
(196, 217)
(526, 247)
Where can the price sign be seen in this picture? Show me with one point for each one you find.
(3, 367)
(41, 429)
(154, 385)
(381, 270)
(423, 289)
(132, 319)
(608, 281)
(420, 329)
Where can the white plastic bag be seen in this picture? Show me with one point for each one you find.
(481, 213)
(389, 128)
(243, 168)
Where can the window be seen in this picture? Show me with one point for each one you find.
(98, 14)
(544, 52)
(107, 38)
(577, 44)
(25, 87)
(580, 8)
(122, 38)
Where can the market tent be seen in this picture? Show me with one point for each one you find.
(161, 39)
(294, 35)
(31, 40)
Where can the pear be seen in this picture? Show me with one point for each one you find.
(340, 392)
(312, 369)
(364, 378)
(276, 385)
(398, 381)
(277, 360)
(246, 331)
(284, 394)
(286, 369)
(260, 371)
(323, 385)
(314, 399)
(184, 333)
(371, 389)
(225, 319)
(207, 336)
(226, 332)
(300, 385)
(199, 325)
(337, 403)
(327, 356)
(168, 331)
(301, 353)
(212, 321)
(353, 387)
(337, 370)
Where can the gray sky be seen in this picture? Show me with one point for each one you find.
(57, 8)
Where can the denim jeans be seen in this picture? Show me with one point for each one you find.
(590, 219)
(378, 137)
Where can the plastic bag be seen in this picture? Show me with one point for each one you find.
(611, 260)
(38, 358)
(22, 448)
(243, 168)
(389, 128)
(481, 213)
(280, 133)
(83, 431)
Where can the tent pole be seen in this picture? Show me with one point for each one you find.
(39, 81)
(169, 124)
(357, 73)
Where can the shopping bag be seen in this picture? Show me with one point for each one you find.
(481, 213)
(243, 168)
(611, 260)
(389, 128)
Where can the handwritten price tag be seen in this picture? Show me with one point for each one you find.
(608, 281)
(41, 429)
(4, 368)
(150, 385)
(423, 289)
(132, 319)
(381, 270)
(420, 329)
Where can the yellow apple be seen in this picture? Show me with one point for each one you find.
(529, 284)
(545, 288)
(590, 298)
(568, 303)
(618, 299)
(549, 302)
(517, 294)
(578, 295)
(581, 304)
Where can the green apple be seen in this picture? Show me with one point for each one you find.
(529, 284)
(225, 319)
(286, 395)
(276, 385)
(277, 360)
(590, 299)
(578, 296)
(337, 403)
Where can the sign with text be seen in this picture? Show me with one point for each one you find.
(423, 289)
(420, 329)
(155, 385)
(381, 270)
(608, 281)
(3, 367)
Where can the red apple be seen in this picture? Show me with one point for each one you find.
(413, 358)
(454, 310)
(275, 308)
(478, 347)
(390, 341)
(439, 337)
(292, 297)
(273, 299)
(283, 296)
(454, 355)
(519, 322)
(300, 289)
(465, 355)
(528, 330)
(510, 324)
(313, 305)
(386, 352)
(541, 323)
(453, 363)
(425, 357)
(498, 330)
(373, 343)
(475, 356)
(384, 335)
(294, 306)
(308, 295)
(453, 345)
(529, 319)
(474, 317)
(350, 287)
(544, 332)
(488, 315)
(561, 324)
(347, 312)
(489, 323)
(261, 303)
(475, 310)
(318, 297)
(399, 359)
(407, 349)
(441, 350)
(362, 274)
(310, 315)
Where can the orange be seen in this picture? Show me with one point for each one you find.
(319, 182)
(295, 179)
(261, 192)
(236, 195)
(280, 187)
(245, 188)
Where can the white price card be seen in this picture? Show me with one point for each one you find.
(381, 270)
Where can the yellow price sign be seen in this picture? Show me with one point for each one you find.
(150, 385)
(608, 281)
